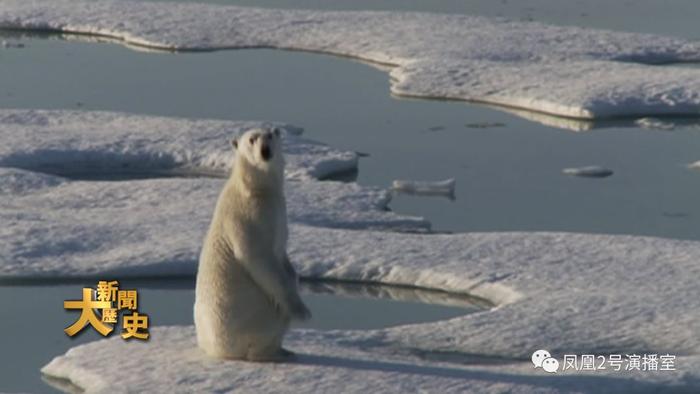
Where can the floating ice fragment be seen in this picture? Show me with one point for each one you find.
(426, 188)
(654, 124)
(11, 44)
(589, 171)
(484, 125)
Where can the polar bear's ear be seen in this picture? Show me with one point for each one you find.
(234, 143)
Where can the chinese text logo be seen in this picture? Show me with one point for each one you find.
(100, 308)
(591, 362)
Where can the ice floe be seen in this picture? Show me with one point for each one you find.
(65, 142)
(566, 71)
(568, 293)
(11, 44)
(426, 188)
(55, 227)
(484, 125)
(588, 172)
(328, 362)
(654, 124)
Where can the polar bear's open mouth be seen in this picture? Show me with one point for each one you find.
(265, 152)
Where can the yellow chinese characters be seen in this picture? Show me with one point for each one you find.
(134, 323)
(109, 315)
(87, 314)
(127, 299)
(107, 291)
(103, 299)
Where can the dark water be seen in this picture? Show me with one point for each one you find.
(508, 169)
(33, 318)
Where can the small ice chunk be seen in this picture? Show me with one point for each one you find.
(484, 125)
(654, 124)
(436, 128)
(11, 44)
(588, 171)
(426, 188)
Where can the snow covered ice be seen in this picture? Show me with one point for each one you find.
(570, 293)
(112, 142)
(566, 71)
(351, 360)
(49, 216)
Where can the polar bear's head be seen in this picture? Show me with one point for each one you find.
(260, 148)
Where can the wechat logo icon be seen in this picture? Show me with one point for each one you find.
(543, 359)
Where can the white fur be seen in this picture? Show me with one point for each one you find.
(246, 287)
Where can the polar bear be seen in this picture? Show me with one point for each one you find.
(246, 288)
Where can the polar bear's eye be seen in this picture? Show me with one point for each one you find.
(253, 138)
